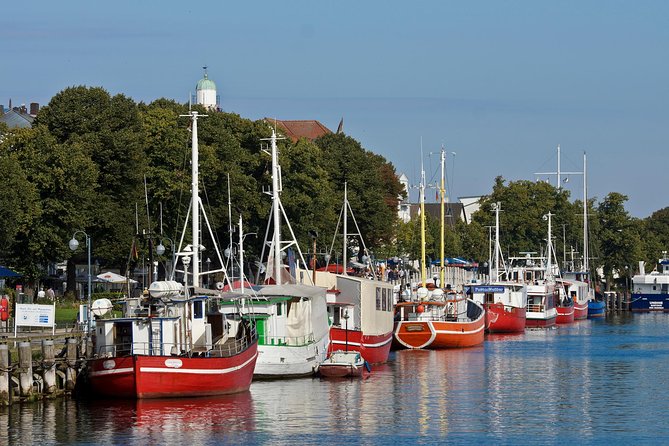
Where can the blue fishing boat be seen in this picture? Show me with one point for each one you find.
(596, 308)
(650, 292)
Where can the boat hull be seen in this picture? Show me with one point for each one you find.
(580, 310)
(649, 302)
(291, 361)
(565, 315)
(373, 348)
(596, 309)
(545, 321)
(438, 335)
(140, 376)
(504, 319)
(341, 370)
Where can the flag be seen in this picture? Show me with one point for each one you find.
(134, 251)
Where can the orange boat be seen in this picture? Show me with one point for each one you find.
(453, 322)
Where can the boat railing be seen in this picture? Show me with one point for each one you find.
(230, 347)
(291, 341)
(535, 308)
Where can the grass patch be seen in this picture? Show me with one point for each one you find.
(66, 315)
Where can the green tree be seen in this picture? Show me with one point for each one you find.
(619, 240)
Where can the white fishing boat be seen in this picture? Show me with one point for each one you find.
(291, 319)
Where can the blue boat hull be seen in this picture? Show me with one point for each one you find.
(649, 302)
(596, 309)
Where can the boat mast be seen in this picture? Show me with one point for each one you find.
(276, 215)
(422, 218)
(345, 257)
(442, 193)
(494, 271)
(241, 254)
(277, 246)
(195, 203)
(549, 262)
(585, 216)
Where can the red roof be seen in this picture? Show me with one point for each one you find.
(310, 129)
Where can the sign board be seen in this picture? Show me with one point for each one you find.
(35, 316)
(487, 289)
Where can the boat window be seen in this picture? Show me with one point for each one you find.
(279, 308)
(489, 298)
(198, 312)
(337, 316)
(378, 298)
(384, 300)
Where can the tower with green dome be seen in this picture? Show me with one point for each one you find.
(205, 93)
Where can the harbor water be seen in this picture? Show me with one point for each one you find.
(592, 382)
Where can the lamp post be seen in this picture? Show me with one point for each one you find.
(74, 245)
(160, 250)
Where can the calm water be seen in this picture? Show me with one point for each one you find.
(592, 382)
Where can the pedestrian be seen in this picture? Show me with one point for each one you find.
(50, 294)
(41, 294)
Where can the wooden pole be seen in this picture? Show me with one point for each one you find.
(25, 370)
(48, 367)
(71, 371)
(5, 376)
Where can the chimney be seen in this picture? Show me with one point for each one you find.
(34, 108)
(642, 269)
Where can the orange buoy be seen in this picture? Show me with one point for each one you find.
(420, 309)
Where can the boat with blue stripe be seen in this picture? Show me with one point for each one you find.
(650, 292)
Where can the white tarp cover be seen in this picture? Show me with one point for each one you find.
(306, 317)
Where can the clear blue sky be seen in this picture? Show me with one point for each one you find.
(501, 83)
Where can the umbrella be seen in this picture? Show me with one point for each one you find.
(6, 272)
(111, 277)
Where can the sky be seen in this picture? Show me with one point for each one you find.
(498, 84)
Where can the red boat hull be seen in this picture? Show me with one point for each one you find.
(437, 335)
(373, 348)
(501, 319)
(540, 323)
(141, 376)
(340, 371)
(580, 311)
(565, 315)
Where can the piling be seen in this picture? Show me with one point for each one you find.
(71, 370)
(48, 367)
(5, 376)
(25, 370)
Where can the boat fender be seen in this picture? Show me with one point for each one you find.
(368, 367)
(420, 309)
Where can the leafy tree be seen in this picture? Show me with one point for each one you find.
(619, 239)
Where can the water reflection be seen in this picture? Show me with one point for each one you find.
(592, 381)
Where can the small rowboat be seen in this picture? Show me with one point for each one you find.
(343, 364)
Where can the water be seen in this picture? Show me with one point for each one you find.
(592, 382)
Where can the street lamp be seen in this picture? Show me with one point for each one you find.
(74, 245)
(160, 250)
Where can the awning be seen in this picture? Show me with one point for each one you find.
(6, 272)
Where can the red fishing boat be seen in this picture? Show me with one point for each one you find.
(173, 341)
(565, 307)
(505, 303)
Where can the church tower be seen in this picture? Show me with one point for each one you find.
(205, 93)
